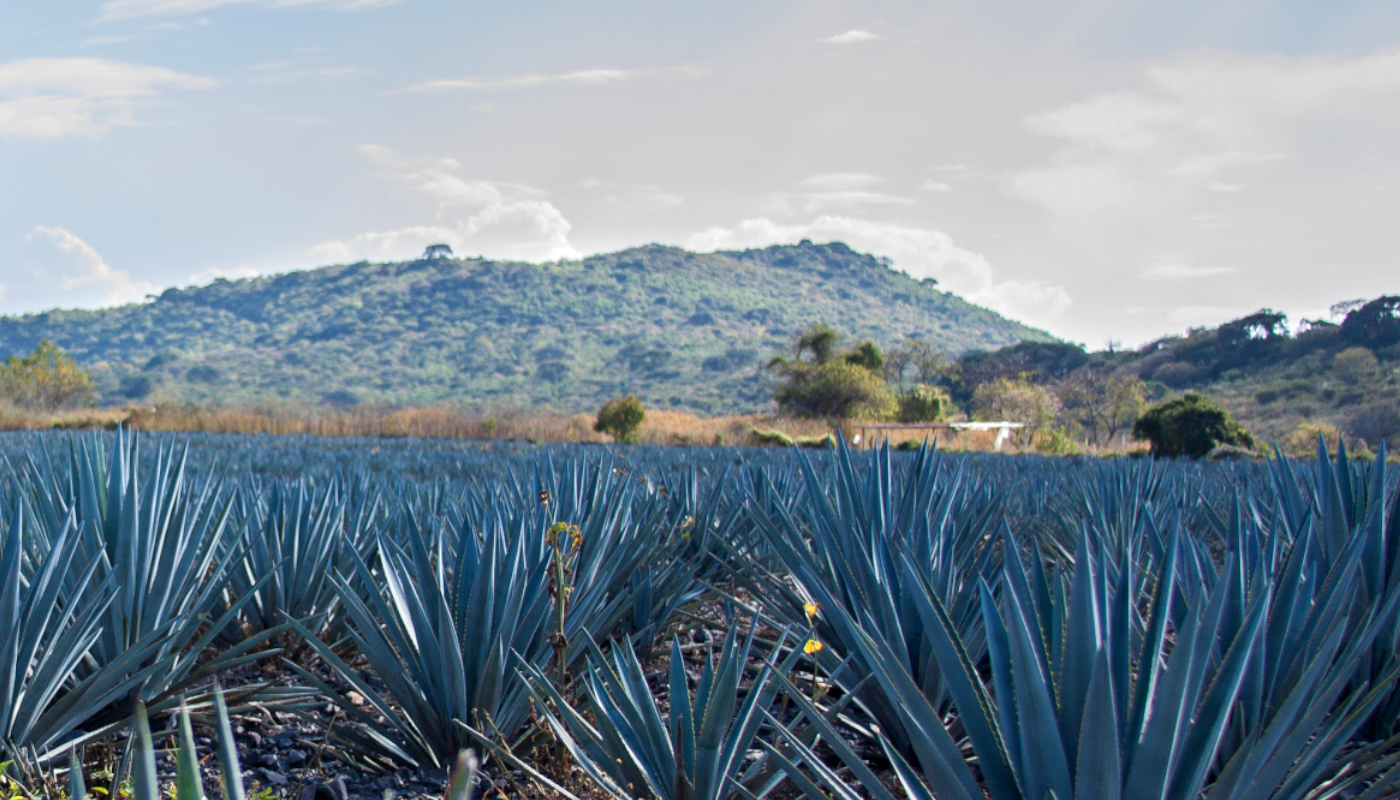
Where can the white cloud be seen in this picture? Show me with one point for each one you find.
(499, 220)
(581, 77)
(852, 36)
(920, 252)
(935, 186)
(1171, 270)
(46, 98)
(1195, 118)
(126, 9)
(63, 270)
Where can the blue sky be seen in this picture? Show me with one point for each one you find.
(1107, 170)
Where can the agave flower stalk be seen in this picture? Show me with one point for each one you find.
(563, 540)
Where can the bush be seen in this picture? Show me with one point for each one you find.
(1376, 423)
(138, 386)
(620, 418)
(1055, 442)
(1189, 426)
(46, 379)
(1177, 374)
(1301, 442)
(923, 404)
(849, 386)
(1354, 365)
(836, 388)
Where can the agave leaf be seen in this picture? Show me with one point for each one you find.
(187, 781)
(144, 783)
(228, 750)
(1098, 774)
(77, 790)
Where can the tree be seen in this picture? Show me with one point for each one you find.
(927, 362)
(436, 251)
(1376, 323)
(923, 404)
(46, 379)
(1007, 400)
(620, 418)
(1101, 405)
(866, 355)
(1189, 426)
(1019, 400)
(1037, 362)
(820, 340)
(1127, 398)
(835, 389)
(1250, 340)
(832, 384)
(1354, 365)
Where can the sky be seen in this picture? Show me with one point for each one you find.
(1109, 170)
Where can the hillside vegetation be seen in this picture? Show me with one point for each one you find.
(678, 329)
(1283, 383)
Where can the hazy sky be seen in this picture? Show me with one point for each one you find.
(1104, 169)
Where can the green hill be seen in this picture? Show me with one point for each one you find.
(679, 329)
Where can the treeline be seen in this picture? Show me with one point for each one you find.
(1331, 379)
(1054, 386)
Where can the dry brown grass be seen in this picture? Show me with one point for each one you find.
(17, 419)
(660, 427)
(672, 428)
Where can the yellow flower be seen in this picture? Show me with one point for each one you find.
(810, 609)
(812, 646)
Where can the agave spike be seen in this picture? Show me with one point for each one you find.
(145, 785)
(187, 781)
(228, 751)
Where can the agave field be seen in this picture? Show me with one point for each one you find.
(702, 623)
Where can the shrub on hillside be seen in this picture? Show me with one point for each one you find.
(620, 418)
(1354, 365)
(1189, 426)
(1177, 374)
(45, 380)
(1376, 423)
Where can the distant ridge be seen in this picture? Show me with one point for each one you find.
(681, 330)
